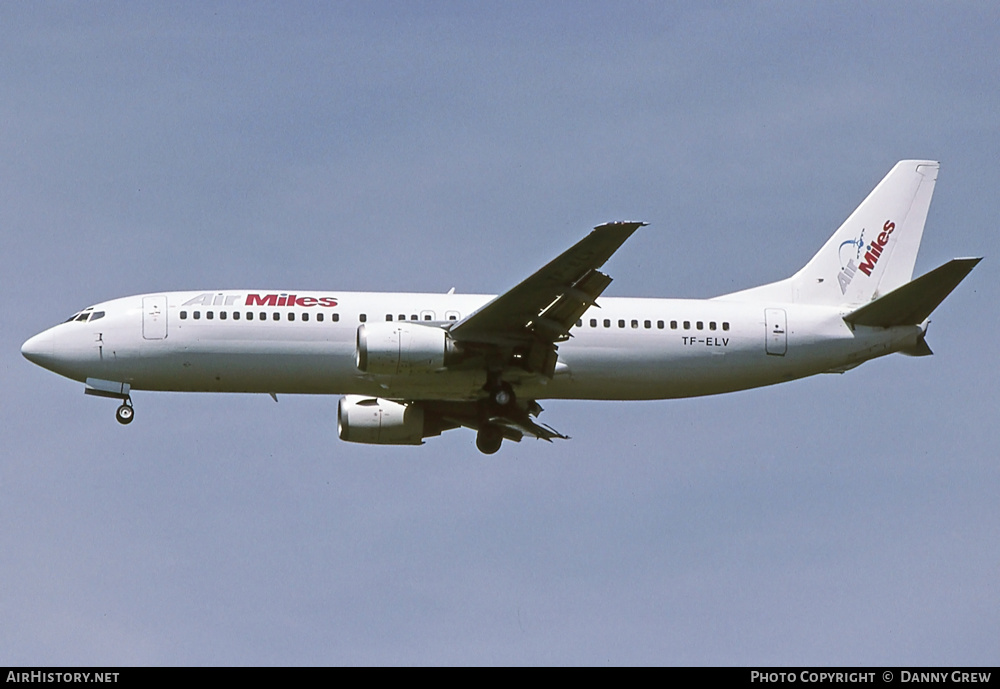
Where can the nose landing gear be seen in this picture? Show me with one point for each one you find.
(116, 391)
(125, 413)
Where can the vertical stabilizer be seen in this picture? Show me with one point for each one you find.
(873, 252)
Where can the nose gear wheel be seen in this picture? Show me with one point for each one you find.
(125, 413)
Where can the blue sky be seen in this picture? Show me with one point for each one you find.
(395, 146)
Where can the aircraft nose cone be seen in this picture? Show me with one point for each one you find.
(38, 349)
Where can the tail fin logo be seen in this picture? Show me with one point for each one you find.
(867, 263)
(848, 269)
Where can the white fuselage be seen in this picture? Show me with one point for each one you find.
(628, 349)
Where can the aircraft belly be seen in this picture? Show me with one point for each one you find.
(615, 373)
(295, 368)
(260, 366)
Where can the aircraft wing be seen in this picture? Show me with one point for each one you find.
(542, 308)
(515, 421)
(520, 427)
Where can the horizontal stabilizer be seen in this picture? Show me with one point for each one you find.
(912, 303)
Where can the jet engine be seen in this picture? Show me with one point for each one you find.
(402, 348)
(376, 421)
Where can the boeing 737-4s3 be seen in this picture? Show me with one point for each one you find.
(413, 365)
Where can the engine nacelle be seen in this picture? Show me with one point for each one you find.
(376, 421)
(401, 347)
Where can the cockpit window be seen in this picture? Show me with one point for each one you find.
(85, 315)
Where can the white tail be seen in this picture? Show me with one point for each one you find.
(872, 253)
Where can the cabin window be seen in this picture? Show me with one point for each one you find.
(210, 315)
(263, 315)
(236, 315)
(402, 316)
(673, 325)
(184, 315)
(335, 317)
(276, 316)
(579, 323)
(700, 325)
(305, 316)
(427, 317)
(711, 325)
(291, 315)
(388, 317)
(363, 317)
(635, 323)
(196, 315)
(621, 322)
(222, 315)
(647, 324)
(593, 322)
(659, 324)
(607, 322)
(687, 325)
(319, 317)
(725, 325)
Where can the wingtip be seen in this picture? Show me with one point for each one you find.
(969, 262)
(627, 225)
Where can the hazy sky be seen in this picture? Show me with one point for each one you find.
(422, 146)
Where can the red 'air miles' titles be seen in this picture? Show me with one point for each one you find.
(875, 248)
(288, 300)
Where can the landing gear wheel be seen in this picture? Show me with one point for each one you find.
(503, 395)
(125, 414)
(489, 439)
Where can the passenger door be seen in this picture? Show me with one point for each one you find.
(776, 342)
(154, 317)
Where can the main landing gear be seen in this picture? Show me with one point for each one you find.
(501, 394)
(125, 413)
(501, 400)
(489, 438)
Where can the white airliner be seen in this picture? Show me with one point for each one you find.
(413, 365)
